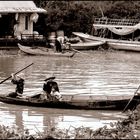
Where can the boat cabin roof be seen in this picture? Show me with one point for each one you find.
(107, 22)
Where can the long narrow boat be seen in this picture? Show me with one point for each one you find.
(87, 102)
(44, 51)
(87, 45)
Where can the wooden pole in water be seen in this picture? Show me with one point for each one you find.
(131, 99)
(80, 52)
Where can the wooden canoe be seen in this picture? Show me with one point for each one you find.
(44, 51)
(87, 102)
(89, 45)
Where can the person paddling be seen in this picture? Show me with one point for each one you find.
(18, 80)
(51, 89)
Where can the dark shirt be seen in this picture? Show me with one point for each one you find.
(58, 46)
(20, 85)
(49, 85)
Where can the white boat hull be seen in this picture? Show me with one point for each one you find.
(87, 45)
(124, 46)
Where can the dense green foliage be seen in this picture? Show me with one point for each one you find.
(79, 15)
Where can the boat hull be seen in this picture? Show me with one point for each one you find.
(128, 46)
(44, 51)
(114, 43)
(89, 45)
(118, 104)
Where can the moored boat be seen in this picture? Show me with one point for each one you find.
(120, 34)
(44, 51)
(88, 45)
(88, 102)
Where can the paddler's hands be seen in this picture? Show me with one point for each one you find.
(13, 75)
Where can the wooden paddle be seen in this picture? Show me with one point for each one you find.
(80, 52)
(131, 99)
(16, 73)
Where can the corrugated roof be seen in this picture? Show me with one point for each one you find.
(19, 7)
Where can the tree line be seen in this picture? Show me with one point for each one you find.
(79, 15)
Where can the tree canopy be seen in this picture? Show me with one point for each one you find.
(79, 15)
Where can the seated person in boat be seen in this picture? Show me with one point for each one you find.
(18, 80)
(51, 89)
(63, 43)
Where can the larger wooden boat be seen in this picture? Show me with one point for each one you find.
(88, 45)
(88, 102)
(120, 34)
(44, 51)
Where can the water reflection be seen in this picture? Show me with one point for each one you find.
(42, 119)
(100, 73)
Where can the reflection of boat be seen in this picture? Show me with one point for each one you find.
(79, 102)
(87, 45)
(120, 34)
(44, 51)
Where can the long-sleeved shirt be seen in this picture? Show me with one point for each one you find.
(20, 85)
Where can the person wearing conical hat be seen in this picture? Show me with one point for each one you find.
(51, 89)
(18, 80)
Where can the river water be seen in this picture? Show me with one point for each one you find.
(95, 72)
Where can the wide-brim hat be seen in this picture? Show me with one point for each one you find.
(21, 75)
(50, 78)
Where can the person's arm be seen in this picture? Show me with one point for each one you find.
(44, 89)
(13, 78)
(55, 86)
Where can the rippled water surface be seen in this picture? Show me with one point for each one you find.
(96, 72)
